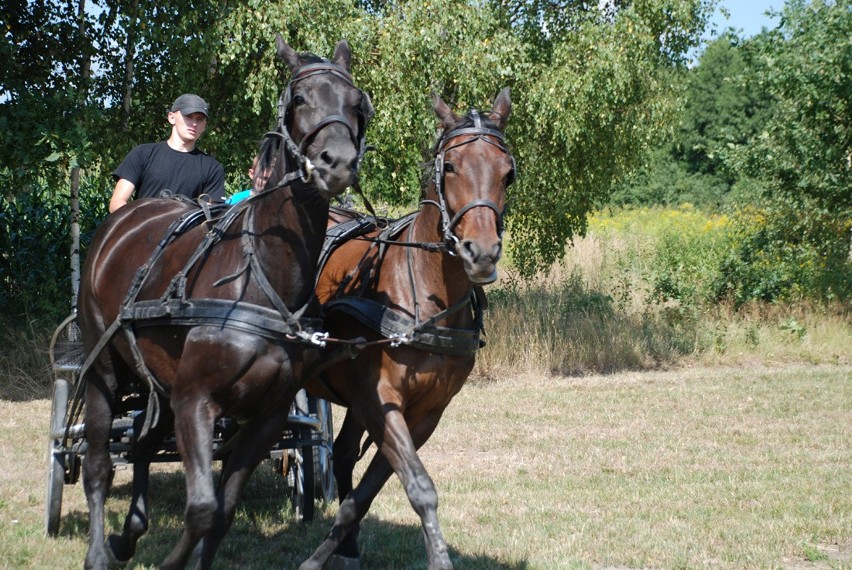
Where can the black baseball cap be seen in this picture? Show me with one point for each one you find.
(188, 104)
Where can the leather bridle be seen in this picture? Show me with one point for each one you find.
(305, 167)
(477, 132)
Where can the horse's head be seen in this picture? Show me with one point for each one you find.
(472, 169)
(325, 116)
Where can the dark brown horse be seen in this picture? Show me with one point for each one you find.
(199, 321)
(413, 292)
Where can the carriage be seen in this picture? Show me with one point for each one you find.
(302, 455)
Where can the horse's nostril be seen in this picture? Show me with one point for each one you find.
(332, 159)
(475, 252)
(471, 248)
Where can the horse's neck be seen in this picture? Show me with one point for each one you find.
(437, 276)
(287, 228)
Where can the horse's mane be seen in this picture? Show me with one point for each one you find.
(428, 166)
(267, 155)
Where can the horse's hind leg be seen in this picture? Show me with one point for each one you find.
(100, 390)
(352, 510)
(123, 546)
(194, 419)
(347, 447)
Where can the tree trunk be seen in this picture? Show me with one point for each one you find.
(76, 170)
(75, 235)
(130, 55)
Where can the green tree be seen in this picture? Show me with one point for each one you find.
(591, 89)
(590, 115)
(717, 112)
(804, 151)
(589, 96)
(798, 168)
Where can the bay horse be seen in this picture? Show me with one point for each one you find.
(215, 318)
(411, 295)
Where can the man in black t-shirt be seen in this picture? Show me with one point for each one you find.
(174, 164)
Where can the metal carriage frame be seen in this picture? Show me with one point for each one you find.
(302, 455)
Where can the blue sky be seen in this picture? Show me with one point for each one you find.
(747, 16)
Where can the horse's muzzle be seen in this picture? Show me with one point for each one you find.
(480, 260)
(335, 163)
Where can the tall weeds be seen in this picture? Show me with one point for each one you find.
(637, 293)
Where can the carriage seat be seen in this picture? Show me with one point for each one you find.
(66, 347)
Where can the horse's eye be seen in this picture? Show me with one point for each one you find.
(510, 178)
(449, 167)
(298, 100)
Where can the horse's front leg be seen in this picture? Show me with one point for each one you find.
(399, 447)
(194, 419)
(352, 510)
(123, 546)
(398, 454)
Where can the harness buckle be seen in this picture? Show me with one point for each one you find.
(398, 339)
(309, 170)
(319, 339)
(451, 242)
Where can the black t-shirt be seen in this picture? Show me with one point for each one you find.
(153, 167)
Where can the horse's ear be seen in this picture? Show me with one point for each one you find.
(286, 53)
(367, 108)
(448, 118)
(342, 54)
(501, 109)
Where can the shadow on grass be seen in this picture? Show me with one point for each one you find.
(265, 533)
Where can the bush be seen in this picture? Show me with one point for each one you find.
(767, 252)
(676, 251)
(35, 274)
(786, 254)
(687, 257)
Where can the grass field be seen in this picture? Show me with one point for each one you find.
(722, 467)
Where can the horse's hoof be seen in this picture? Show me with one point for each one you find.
(337, 562)
(113, 561)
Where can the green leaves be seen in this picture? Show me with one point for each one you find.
(584, 120)
(799, 163)
(591, 89)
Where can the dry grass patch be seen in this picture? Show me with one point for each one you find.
(723, 468)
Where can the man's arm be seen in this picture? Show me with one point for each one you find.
(214, 186)
(121, 194)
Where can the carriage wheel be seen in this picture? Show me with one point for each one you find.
(300, 470)
(300, 478)
(323, 474)
(55, 458)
